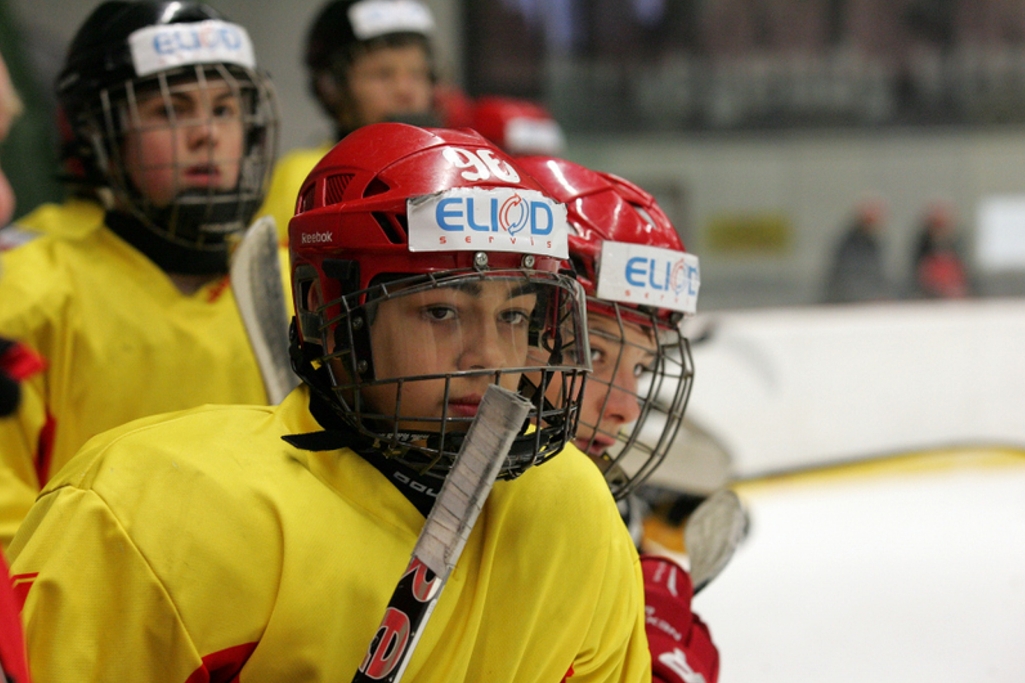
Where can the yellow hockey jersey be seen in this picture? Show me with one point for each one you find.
(120, 342)
(70, 219)
(289, 173)
(202, 547)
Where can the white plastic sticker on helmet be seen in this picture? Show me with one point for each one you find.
(503, 219)
(158, 48)
(640, 274)
(373, 18)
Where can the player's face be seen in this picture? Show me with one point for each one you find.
(389, 82)
(191, 140)
(476, 326)
(619, 354)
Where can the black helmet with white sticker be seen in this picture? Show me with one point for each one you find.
(168, 111)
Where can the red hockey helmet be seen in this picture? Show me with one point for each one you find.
(640, 283)
(518, 126)
(403, 238)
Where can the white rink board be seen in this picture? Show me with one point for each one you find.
(792, 388)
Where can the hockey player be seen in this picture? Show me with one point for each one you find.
(263, 543)
(138, 318)
(640, 283)
(368, 61)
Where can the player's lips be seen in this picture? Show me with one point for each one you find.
(203, 174)
(464, 406)
(596, 446)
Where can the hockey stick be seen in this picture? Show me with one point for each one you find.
(256, 283)
(712, 534)
(499, 418)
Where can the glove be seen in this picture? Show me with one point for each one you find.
(681, 645)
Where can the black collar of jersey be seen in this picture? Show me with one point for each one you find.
(419, 490)
(170, 256)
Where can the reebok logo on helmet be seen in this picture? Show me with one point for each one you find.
(316, 238)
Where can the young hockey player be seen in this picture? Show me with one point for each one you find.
(368, 61)
(138, 318)
(263, 543)
(640, 283)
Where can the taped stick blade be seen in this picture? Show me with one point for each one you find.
(713, 532)
(260, 296)
(499, 419)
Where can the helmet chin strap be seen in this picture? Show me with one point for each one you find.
(202, 220)
(170, 256)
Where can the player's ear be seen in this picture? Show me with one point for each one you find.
(314, 297)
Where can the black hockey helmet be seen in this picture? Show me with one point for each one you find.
(128, 50)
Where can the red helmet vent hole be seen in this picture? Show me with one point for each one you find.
(334, 188)
(394, 227)
(376, 187)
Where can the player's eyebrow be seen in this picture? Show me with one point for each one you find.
(474, 288)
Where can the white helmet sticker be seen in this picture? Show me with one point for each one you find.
(474, 219)
(158, 48)
(653, 276)
(373, 18)
(534, 136)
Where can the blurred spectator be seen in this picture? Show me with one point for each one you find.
(939, 270)
(856, 273)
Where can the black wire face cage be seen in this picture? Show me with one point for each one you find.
(663, 385)
(552, 357)
(233, 103)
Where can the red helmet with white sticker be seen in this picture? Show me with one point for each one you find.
(426, 266)
(640, 283)
(518, 126)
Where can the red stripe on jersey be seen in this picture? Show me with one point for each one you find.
(218, 289)
(21, 584)
(223, 666)
(569, 674)
(12, 640)
(44, 449)
(20, 362)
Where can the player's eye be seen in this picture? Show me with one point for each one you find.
(515, 316)
(438, 313)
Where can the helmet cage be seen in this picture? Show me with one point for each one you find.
(198, 218)
(559, 354)
(663, 389)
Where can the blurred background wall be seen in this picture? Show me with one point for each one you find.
(759, 124)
